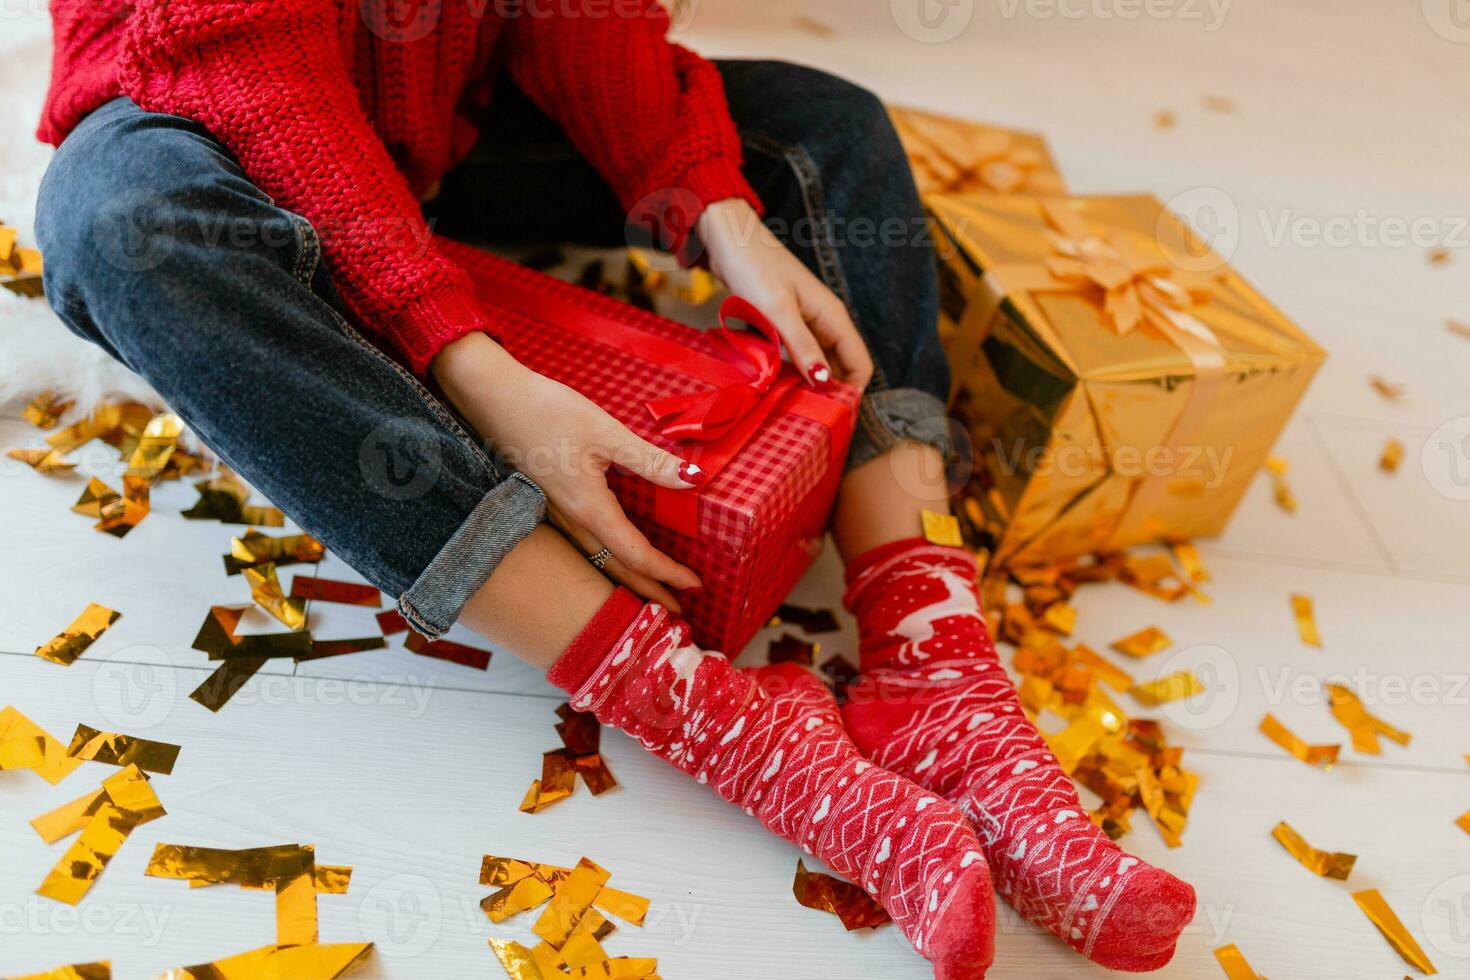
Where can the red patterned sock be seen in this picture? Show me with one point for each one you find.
(934, 704)
(771, 741)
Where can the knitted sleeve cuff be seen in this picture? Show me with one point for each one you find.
(668, 215)
(431, 323)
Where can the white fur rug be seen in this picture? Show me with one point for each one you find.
(37, 351)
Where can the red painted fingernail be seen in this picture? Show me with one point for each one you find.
(693, 474)
(820, 375)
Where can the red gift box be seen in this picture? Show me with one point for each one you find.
(773, 445)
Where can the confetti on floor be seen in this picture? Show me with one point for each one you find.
(1145, 643)
(46, 409)
(1381, 915)
(126, 802)
(580, 755)
(114, 749)
(572, 926)
(72, 642)
(1392, 456)
(941, 529)
(1324, 756)
(223, 497)
(1324, 864)
(291, 872)
(1175, 687)
(1389, 390)
(807, 620)
(791, 649)
(1165, 120)
(1306, 620)
(1233, 962)
(101, 970)
(1458, 329)
(330, 590)
(456, 653)
(1364, 728)
(848, 902)
(1276, 468)
(25, 745)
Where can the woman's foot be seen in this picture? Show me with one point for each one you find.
(772, 742)
(933, 703)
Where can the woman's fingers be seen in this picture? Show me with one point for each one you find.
(827, 317)
(603, 517)
(642, 457)
(786, 316)
(585, 542)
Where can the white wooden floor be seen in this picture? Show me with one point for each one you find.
(409, 769)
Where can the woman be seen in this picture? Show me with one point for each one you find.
(238, 202)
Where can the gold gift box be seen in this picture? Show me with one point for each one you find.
(955, 156)
(1121, 383)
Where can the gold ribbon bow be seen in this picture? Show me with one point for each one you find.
(953, 156)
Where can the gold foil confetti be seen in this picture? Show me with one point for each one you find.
(1144, 643)
(317, 961)
(155, 446)
(250, 867)
(130, 802)
(839, 672)
(330, 590)
(1175, 687)
(100, 970)
(96, 496)
(808, 620)
(1232, 961)
(1362, 726)
(580, 754)
(265, 589)
(121, 515)
(1115, 677)
(217, 637)
(941, 529)
(1060, 617)
(1313, 755)
(1276, 467)
(788, 648)
(47, 461)
(1389, 390)
(1222, 104)
(854, 907)
(72, 642)
(254, 548)
(1458, 329)
(67, 819)
(1391, 457)
(1324, 864)
(226, 681)
(321, 649)
(1438, 255)
(1378, 912)
(18, 731)
(1165, 120)
(222, 498)
(113, 749)
(1306, 620)
(1463, 822)
(571, 927)
(46, 409)
(456, 653)
(1187, 555)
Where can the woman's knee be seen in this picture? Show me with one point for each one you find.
(131, 193)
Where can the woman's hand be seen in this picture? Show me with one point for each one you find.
(565, 443)
(810, 318)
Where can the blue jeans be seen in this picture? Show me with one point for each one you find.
(161, 251)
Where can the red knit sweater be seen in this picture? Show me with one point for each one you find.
(347, 112)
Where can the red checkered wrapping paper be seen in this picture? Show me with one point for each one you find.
(760, 519)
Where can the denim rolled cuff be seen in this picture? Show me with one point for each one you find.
(893, 415)
(501, 520)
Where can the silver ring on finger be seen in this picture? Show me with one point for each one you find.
(600, 559)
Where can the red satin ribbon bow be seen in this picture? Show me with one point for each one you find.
(708, 415)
